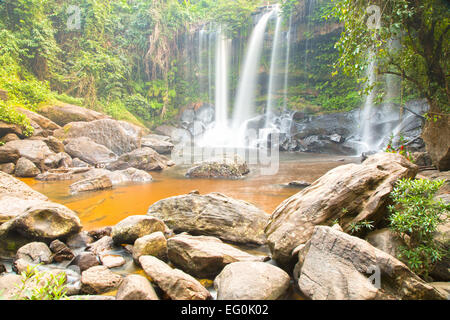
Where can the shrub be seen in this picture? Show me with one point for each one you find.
(9, 115)
(415, 217)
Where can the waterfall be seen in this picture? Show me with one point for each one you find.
(245, 99)
(273, 67)
(367, 112)
(210, 63)
(286, 66)
(201, 48)
(222, 65)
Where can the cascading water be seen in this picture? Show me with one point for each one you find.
(367, 136)
(245, 100)
(286, 66)
(273, 68)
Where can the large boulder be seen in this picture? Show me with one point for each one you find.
(9, 154)
(43, 221)
(35, 252)
(175, 283)
(343, 267)
(26, 169)
(386, 240)
(43, 122)
(136, 287)
(7, 128)
(12, 206)
(34, 150)
(14, 187)
(134, 227)
(8, 168)
(154, 244)
(212, 214)
(145, 159)
(226, 167)
(118, 136)
(160, 144)
(361, 189)
(88, 151)
(251, 281)
(204, 257)
(435, 135)
(65, 113)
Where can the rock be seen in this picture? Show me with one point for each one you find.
(59, 160)
(112, 261)
(90, 297)
(336, 138)
(54, 144)
(41, 121)
(97, 234)
(10, 137)
(213, 214)
(435, 135)
(134, 227)
(422, 159)
(299, 184)
(227, 167)
(77, 163)
(26, 169)
(45, 221)
(443, 288)
(61, 174)
(154, 244)
(92, 184)
(65, 113)
(175, 283)
(340, 266)
(13, 206)
(158, 143)
(145, 159)
(129, 175)
(118, 136)
(61, 251)
(101, 246)
(10, 285)
(88, 151)
(366, 155)
(98, 280)
(14, 187)
(79, 240)
(362, 189)
(34, 150)
(85, 260)
(135, 287)
(8, 154)
(251, 281)
(8, 168)
(6, 128)
(386, 240)
(204, 257)
(35, 252)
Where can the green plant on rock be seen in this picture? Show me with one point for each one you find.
(38, 285)
(358, 226)
(415, 216)
(8, 114)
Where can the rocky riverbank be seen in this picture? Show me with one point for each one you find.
(186, 239)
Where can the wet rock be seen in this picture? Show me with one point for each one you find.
(112, 261)
(26, 169)
(134, 227)
(154, 244)
(145, 159)
(101, 246)
(97, 234)
(135, 287)
(118, 136)
(362, 189)
(59, 160)
(227, 167)
(204, 257)
(60, 251)
(158, 143)
(251, 281)
(98, 280)
(352, 261)
(386, 240)
(92, 184)
(14, 187)
(43, 221)
(175, 283)
(35, 252)
(213, 214)
(65, 113)
(79, 240)
(85, 260)
(88, 151)
(129, 175)
(8, 168)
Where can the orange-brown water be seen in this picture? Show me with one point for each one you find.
(106, 208)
